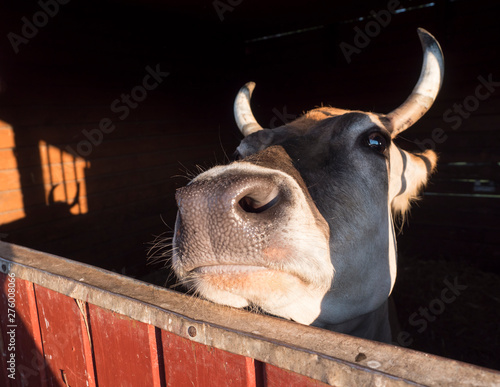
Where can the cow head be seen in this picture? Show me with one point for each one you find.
(301, 225)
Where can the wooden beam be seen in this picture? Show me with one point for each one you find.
(329, 357)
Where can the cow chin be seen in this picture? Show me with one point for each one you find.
(288, 278)
(275, 292)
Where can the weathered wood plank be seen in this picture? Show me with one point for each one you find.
(30, 366)
(122, 350)
(192, 364)
(63, 339)
(277, 377)
(5, 349)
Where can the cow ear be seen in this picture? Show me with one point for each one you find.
(255, 142)
(409, 174)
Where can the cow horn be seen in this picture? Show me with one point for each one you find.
(426, 89)
(243, 112)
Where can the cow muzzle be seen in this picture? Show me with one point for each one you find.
(230, 219)
(244, 232)
(229, 198)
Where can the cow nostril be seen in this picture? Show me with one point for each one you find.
(252, 205)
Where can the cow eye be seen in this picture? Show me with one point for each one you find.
(377, 142)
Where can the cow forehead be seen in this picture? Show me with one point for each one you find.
(317, 128)
(350, 124)
(340, 119)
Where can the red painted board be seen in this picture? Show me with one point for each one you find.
(278, 377)
(63, 337)
(124, 350)
(24, 331)
(188, 363)
(5, 350)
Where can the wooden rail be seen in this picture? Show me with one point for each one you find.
(78, 325)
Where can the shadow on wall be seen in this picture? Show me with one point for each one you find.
(43, 193)
(45, 203)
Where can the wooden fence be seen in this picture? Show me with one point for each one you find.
(77, 325)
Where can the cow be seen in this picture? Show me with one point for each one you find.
(301, 224)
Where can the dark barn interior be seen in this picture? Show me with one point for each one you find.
(106, 106)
